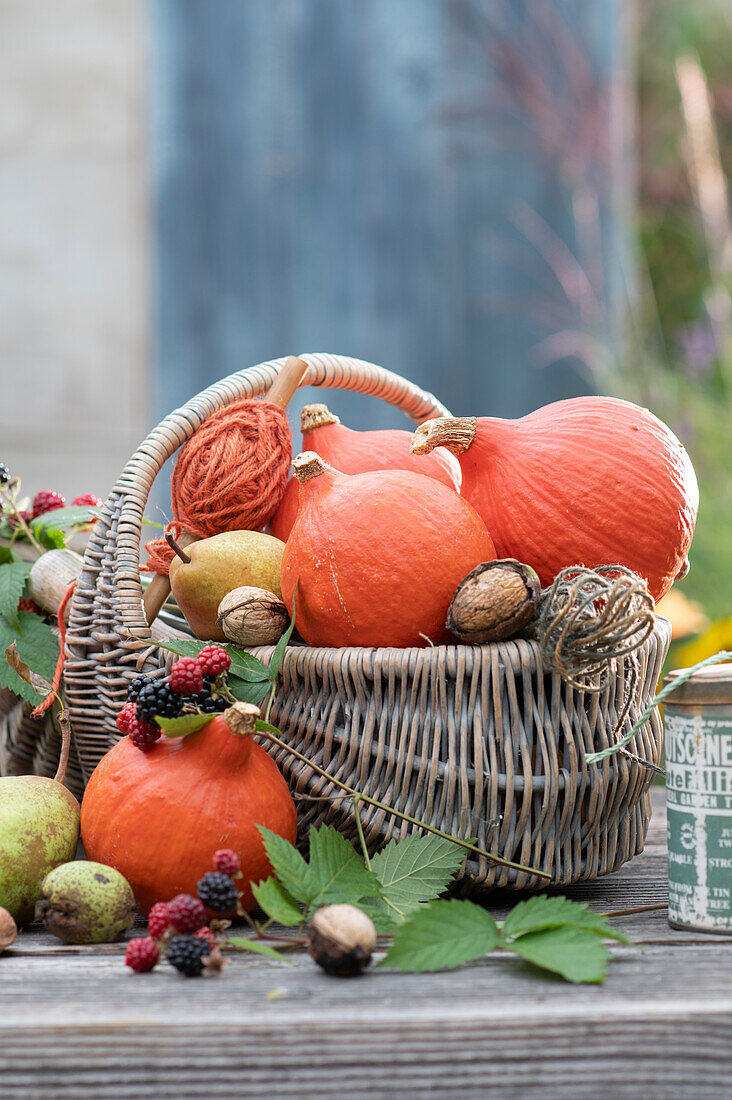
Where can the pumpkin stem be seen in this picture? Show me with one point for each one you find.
(308, 465)
(316, 416)
(241, 718)
(454, 432)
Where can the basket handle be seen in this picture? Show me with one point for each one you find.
(112, 559)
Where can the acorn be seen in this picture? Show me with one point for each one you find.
(341, 939)
(250, 616)
(8, 929)
(494, 602)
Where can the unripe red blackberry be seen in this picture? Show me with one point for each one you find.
(141, 955)
(47, 501)
(214, 660)
(227, 862)
(87, 499)
(142, 734)
(186, 676)
(158, 920)
(186, 913)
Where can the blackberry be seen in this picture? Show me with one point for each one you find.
(218, 892)
(136, 687)
(186, 954)
(158, 698)
(4, 474)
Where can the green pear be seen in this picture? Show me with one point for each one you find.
(39, 829)
(216, 566)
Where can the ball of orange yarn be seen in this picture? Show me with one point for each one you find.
(229, 476)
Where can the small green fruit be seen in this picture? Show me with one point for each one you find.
(39, 829)
(85, 902)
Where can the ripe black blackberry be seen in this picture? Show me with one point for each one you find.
(158, 698)
(186, 954)
(217, 892)
(136, 687)
(4, 474)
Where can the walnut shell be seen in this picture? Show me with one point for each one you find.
(494, 601)
(8, 929)
(341, 939)
(251, 616)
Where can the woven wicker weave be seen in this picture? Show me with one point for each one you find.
(30, 746)
(456, 736)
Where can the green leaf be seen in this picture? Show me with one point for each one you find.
(277, 902)
(247, 692)
(6, 555)
(441, 936)
(36, 645)
(577, 954)
(182, 726)
(259, 948)
(384, 918)
(13, 576)
(279, 650)
(416, 869)
(62, 519)
(243, 665)
(51, 538)
(541, 912)
(337, 872)
(287, 863)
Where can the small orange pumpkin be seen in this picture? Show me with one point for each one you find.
(377, 556)
(591, 481)
(159, 816)
(354, 452)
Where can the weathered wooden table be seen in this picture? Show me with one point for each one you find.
(75, 1022)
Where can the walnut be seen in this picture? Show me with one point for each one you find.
(341, 939)
(252, 616)
(495, 601)
(8, 929)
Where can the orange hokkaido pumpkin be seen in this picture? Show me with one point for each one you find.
(354, 452)
(159, 816)
(591, 480)
(377, 556)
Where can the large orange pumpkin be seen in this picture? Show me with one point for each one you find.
(377, 556)
(159, 816)
(354, 452)
(591, 480)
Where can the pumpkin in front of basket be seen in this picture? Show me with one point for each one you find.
(158, 816)
(377, 556)
(354, 452)
(591, 480)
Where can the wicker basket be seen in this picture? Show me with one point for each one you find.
(476, 740)
(32, 746)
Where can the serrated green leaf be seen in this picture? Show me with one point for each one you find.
(275, 660)
(247, 692)
(443, 935)
(36, 645)
(259, 948)
(541, 912)
(6, 554)
(416, 869)
(287, 863)
(577, 954)
(62, 519)
(51, 538)
(13, 576)
(183, 725)
(277, 902)
(337, 872)
(381, 915)
(243, 665)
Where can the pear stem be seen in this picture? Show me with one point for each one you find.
(174, 546)
(63, 760)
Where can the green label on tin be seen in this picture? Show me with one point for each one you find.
(699, 801)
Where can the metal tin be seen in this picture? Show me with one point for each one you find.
(698, 720)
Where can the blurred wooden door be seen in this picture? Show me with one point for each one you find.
(425, 185)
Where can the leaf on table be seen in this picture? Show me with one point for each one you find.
(277, 902)
(337, 873)
(242, 943)
(416, 869)
(279, 650)
(36, 646)
(443, 935)
(541, 912)
(577, 954)
(287, 863)
(13, 577)
(183, 725)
